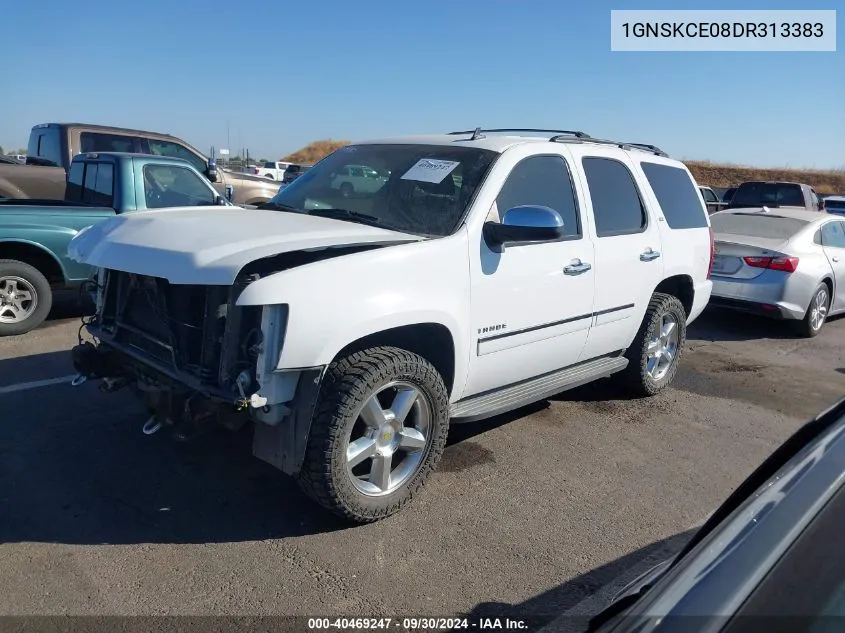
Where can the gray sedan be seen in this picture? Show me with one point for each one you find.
(782, 263)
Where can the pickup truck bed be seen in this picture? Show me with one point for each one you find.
(35, 233)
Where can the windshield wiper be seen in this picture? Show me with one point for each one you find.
(275, 206)
(346, 214)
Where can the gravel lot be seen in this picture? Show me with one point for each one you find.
(529, 515)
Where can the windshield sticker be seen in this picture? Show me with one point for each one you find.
(430, 170)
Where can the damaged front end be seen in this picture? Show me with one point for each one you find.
(197, 360)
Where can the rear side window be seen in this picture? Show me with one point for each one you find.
(833, 234)
(75, 177)
(542, 181)
(99, 184)
(677, 196)
(97, 142)
(617, 206)
(45, 147)
(269, 165)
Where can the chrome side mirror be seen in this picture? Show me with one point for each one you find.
(526, 224)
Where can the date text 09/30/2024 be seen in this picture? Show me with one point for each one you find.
(412, 624)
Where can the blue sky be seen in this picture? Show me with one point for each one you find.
(284, 73)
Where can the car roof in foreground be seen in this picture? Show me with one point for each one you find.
(492, 142)
(750, 532)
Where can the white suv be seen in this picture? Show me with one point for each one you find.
(491, 269)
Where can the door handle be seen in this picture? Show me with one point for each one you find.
(836, 259)
(649, 255)
(577, 268)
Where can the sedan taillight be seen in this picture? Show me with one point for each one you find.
(785, 264)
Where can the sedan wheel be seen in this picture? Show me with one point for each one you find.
(817, 312)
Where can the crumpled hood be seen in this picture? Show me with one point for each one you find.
(210, 245)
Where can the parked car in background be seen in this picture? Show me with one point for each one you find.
(768, 560)
(293, 172)
(782, 263)
(711, 199)
(52, 147)
(10, 160)
(274, 170)
(835, 204)
(358, 178)
(556, 261)
(758, 194)
(34, 234)
(728, 194)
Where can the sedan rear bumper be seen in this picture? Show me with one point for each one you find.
(770, 310)
(772, 294)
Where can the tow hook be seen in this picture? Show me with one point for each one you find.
(151, 426)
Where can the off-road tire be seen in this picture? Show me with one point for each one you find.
(635, 379)
(804, 326)
(44, 294)
(348, 382)
(346, 189)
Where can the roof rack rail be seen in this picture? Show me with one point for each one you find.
(477, 133)
(620, 144)
(650, 148)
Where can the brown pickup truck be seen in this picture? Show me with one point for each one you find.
(52, 147)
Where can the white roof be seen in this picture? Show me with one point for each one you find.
(491, 141)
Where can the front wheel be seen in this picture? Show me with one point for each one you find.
(816, 313)
(25, 297)
(654, 355)
(378, 432)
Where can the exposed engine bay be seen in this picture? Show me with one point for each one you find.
(187, 351)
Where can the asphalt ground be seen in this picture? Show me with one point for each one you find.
(529, 515)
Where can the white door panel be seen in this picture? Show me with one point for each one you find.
(627, 241)
(530, 316)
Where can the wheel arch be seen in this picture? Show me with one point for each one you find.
(433, 341)
(36, 256)
(680, 286)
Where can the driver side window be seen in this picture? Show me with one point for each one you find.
(175, 186)
(542, 181)
(174, 150)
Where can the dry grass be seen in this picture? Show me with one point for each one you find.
(705, 172)
(715, 175)
(313, 152)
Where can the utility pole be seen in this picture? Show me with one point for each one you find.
(228, 143)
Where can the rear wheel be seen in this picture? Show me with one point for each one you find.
(346, 189)
(378, 432)
(25, 297)
(817, 311)
(654, 355)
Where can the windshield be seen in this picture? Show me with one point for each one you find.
(756, 225)
(420, 189)
(770, 194)
(834, 206)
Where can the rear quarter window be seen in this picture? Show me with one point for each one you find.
(679, 199)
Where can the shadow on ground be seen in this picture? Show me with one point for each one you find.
(716, 324)
(69, 304)
(75, 468)
(601, 583)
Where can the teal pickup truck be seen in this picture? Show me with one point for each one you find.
(34, 234)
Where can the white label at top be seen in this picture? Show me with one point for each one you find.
(430, 170)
